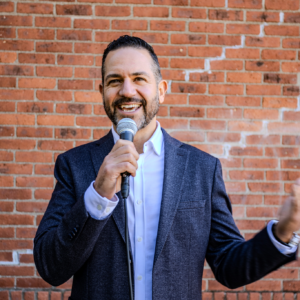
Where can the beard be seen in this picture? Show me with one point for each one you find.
(150, 110)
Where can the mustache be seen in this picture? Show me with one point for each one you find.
(123, 100)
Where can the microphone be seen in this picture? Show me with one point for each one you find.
(126, 129)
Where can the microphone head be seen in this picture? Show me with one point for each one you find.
(126, 124)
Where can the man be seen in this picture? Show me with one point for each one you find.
(179, 212)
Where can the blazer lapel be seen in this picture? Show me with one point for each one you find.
(98, 153)
(174, 172)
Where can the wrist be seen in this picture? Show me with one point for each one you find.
(281, 235)
(101, 193)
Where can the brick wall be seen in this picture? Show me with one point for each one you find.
(233, 69)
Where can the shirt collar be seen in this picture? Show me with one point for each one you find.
(156, 140)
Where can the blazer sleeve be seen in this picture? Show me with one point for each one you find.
(67, 234)
(234, 261)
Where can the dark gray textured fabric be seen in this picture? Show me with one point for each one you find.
(195, 223)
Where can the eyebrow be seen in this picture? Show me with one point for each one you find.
(132, 74)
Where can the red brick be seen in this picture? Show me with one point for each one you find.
(265, 16)
(208, 3)
(173, 75)
(6, 6)
(53, 22)
(224, 113)
(87, 97)
(16, 219)
(226, 65)
(53, 47)
(242, 28)
(131, 1)
(188, 112)
(291, 116)
(205, 51)
(16, 70)
(39, 83)
(243, 53)
(152, 37)
(291, 17)
(16, 168)
(54, 95)
(193, 88)
(44, 194)
(244, 77)
(33, 156)
(291, 43)
(6, 181)
(54, 71)
(34, 8)
(88, 73)
(291, 91)
(167, 25)
(268, 114)
(54, 145)
(77, 10)
(282, 152)
(291, 67)
(246, 175)
(93, 121)
(16, 295)
(280, 102)
(16, 271)
(44, 169)
(282, 176)
(9, 20)
(15, 244)
(6, 156)
(283, 127)
(206, 27)
(75, 84)
(188, 136)
(89, 48)
(244, 126)
(187, 63)
(7, 106)
(34, 182)
(70, 133)
(87, 60)
(263, 187)
(263, 90)
(36, 58)
(36, 107)
(206, 100)
(67, 108)
(151, 12)
(246, 199)
(222, 137)
(246, 151)
(208, 124)
(226, 89)
(15, 119)
(171, 2)
(33, 206)
(224, 40)
(262, 66)
(282, 30)
(282, 4)
(225, 15)
(175, 99)
(55, 120)
(36, 34)
(267, 42)
(9, 33)
(17, 144)
(232, 187)
(291, 285)
(245, 4)
(8, 57)
(78, 35)
(193, 13)
(129, 24)
(17, 45)
(188, 39)
(290, 140)
(34, 132)
(6, 131)
(207, 77)
(91, 24)
(29, 296)
(112, 11)
(32, 283)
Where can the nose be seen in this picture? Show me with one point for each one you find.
(127, 89)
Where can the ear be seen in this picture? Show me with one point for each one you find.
(162, 90)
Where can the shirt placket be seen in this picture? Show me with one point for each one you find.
(139, 205)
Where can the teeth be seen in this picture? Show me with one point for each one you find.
(129, 107)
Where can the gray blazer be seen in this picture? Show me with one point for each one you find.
(195, 223)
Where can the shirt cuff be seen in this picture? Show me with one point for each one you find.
(286, 250)
(97, 206)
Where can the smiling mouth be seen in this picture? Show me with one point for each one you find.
(129, 107)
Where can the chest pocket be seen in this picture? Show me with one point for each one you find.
(191, 204)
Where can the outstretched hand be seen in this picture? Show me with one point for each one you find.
(289, 215)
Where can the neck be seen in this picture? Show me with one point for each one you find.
(144, 135)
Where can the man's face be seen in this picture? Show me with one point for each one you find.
(130, 89)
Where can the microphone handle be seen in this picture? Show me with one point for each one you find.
(128, 136)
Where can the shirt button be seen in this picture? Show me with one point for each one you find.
(139, 277)
(107, 210)
(99, 206)
(139, 239)
(139, 202)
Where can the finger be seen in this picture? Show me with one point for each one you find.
(126, 157)
(124, 149)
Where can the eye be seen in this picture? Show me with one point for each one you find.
(113, 81)
(139, 79)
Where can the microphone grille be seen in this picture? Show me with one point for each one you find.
(126, 124)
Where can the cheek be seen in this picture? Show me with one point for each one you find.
(146, 93)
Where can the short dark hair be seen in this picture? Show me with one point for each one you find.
(134, 42)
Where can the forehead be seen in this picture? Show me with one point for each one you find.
(128, 60)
